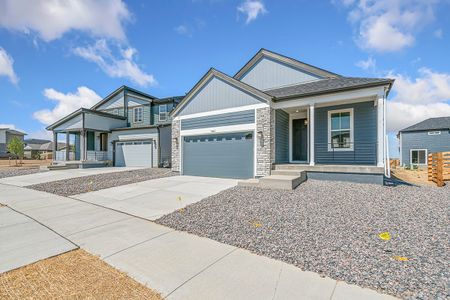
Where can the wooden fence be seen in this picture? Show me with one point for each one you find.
(439, 167)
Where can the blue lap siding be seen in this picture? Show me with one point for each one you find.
(365, 136)
(422, 140)
(227, 119)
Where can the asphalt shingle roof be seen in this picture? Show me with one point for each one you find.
(326, 86)
(430, 124)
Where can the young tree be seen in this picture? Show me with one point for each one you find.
(15, 146)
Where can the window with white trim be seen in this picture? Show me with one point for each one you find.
(138, 114)
(163, 112)
(340, 130)
(418, 156)
(434, 132)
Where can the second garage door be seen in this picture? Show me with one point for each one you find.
(221, 155)
(134, 154)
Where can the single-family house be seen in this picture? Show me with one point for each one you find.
(6, 134)
(418, 140)
(126, 128)
(278, 115)
(38, 149)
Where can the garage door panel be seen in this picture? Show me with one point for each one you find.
(228, 156)
(134, 154)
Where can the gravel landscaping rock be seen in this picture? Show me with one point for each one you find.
(333, 228)
(18, 171)
(92, 183)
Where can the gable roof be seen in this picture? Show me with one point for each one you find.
(13, 131)
(117, 91)
(82, 111)
(284, 59)
(324, 86)
(232, 81)
(430, 124)
(36, 141)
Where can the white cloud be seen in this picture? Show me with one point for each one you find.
(51, 19)
(183, 30)
(417, 99)
(252, 8)
(369, 64)
(6, 66)
(389, 25)
(439, 33)
(117, 67)
(66, 104)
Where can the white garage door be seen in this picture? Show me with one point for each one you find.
(134, 154)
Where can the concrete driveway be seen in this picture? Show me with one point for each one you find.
(154, 198)
(48, 176)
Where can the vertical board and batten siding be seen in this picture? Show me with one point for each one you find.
(227, 119)
(146, 121)
(269, 74)
(115, 102)
(365, 136)
(421, 140)
(217, 94)
(74, 123)
(281, 136)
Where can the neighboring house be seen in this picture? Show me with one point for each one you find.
(127, 128)
(6, 134)
(283, 114)
(423, 138)
(38, 149)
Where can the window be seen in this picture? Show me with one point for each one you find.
(418, 156)
(163, 112)
(434, 132)
(340, 130)
(103, 142)
(138, 113)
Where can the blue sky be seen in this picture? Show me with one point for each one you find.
(58, 56)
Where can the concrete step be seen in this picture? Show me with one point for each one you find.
(283, 182)
(287, 172)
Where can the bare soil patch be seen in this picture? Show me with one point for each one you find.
(74, 275)
(417, 177)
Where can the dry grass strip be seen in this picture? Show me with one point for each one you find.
(73, 275)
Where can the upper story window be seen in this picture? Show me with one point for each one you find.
(163, 112)
(340, 130)
(434, 132)
(138, 114)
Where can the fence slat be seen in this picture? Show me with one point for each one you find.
(439, 167)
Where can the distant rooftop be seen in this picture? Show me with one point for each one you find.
(430, 124)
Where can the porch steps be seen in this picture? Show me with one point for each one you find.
(62, 167)
(283, 182)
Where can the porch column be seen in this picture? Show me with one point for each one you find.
(380, 131)
(67, 146)
(55, 144)
(311, 135)
(82, 145)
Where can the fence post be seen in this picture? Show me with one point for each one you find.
(430, 167)
(440, 170)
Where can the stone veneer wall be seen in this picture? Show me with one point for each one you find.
(176, 143)
(265, 154)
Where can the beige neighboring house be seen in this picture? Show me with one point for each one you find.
(38, 149)
(6, 134)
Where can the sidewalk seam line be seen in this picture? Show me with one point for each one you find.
(334, 288)
(278, 281)
(42, 224)
(137, 244)
(98, 226)
(201, 271)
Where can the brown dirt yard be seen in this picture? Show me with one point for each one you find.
(26, 163)
(416, 177)
(73, 275)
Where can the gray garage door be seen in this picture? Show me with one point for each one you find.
(224, 155)
(134, 154)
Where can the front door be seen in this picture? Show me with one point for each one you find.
(299, 140)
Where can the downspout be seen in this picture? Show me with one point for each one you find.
(159, 146)
(387, 163)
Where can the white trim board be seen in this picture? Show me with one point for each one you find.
(222, 111)
(220, 129)
(418, 164)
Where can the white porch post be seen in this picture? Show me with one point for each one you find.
(311, 135)
(380, 131)
(82, 145)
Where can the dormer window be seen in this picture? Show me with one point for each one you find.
(163, 112)
(138, 114)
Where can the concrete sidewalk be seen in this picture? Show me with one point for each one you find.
(24, 241)
(178, 264)
(55, 175)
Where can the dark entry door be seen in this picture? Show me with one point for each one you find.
(299, 140)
